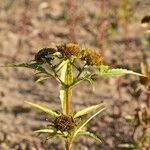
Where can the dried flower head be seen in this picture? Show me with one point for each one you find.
(42, 55)
(64, 123)
(69, 49)
(91, 57)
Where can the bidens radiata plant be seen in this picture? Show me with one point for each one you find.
(69, 65)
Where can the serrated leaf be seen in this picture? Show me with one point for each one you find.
(90, 134)
(116, 72)
(44, 109)
(34, 66)
(88, 110)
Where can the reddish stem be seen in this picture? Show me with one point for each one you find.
(148, 97)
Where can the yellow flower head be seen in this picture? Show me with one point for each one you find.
(91, 57)
(64, 123)
(69, 49)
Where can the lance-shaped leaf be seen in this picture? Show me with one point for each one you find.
(88, 110)
(45, 131)
(86, 122)
(106, 71)
(44, 109)
(42, 78)
(51, 133)
(89, 77)
(127, 145)
(35, 66)
(90, 134)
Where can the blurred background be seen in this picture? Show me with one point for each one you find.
(111, 27)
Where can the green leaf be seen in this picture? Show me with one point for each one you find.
(106, 71)
(87, 133)
(35, 66)
(90, 80)
(88, 110)
(42, 78)
(88, 76)
(51, 133)
(85, 122)
(129, 117)
(44, 109)
(127, 145)
(90, 118)
(60, 65)
(45, 131)
(66, 72)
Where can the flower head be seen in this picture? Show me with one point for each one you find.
(64, 123)
(42, 55)
(69, 49)
(91, 57)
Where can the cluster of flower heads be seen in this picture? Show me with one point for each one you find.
(67, 51)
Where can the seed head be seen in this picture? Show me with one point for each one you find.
(69, 49)
(91, 57)
(64, 123)
(42, 55)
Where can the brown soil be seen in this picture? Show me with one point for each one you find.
(29, 25)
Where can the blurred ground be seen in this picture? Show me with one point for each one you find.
(113, 27)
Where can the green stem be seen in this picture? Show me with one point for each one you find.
(66, 106)
(66, 109)
(68, 144)
(65, 92)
